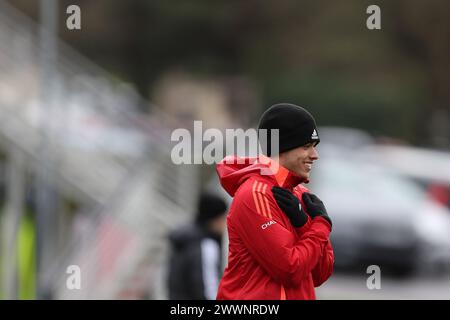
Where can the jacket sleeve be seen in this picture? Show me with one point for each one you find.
(286, 257)
(324, 267)
(191, 276)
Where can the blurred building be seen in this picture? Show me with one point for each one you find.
(222, 103)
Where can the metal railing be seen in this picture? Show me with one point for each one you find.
(109, 157)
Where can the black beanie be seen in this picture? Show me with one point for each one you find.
(210, 206)
(296, 126)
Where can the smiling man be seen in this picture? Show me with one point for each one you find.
(279, 245)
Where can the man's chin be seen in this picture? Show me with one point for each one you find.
(303, 175)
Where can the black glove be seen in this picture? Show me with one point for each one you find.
(290, 205)
(315, 206)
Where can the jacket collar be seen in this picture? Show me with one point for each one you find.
(283, 177)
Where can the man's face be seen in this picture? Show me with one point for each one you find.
(300, 160)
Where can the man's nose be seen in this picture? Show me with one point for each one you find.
(314, 154)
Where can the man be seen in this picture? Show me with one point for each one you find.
(195, 261)
(278, 232)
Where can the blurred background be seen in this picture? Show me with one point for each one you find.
(87, 115)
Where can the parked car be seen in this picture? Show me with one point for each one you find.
(344, 137)
(430, 168)
(380, 217)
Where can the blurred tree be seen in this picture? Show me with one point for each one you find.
(315, 53)
(423, 32)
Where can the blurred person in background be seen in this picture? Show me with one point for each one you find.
(279, 245)
(196, 252)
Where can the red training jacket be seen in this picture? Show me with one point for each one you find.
(268, 257)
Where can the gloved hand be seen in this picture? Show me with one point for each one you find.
(290, 205)
(315, 206)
